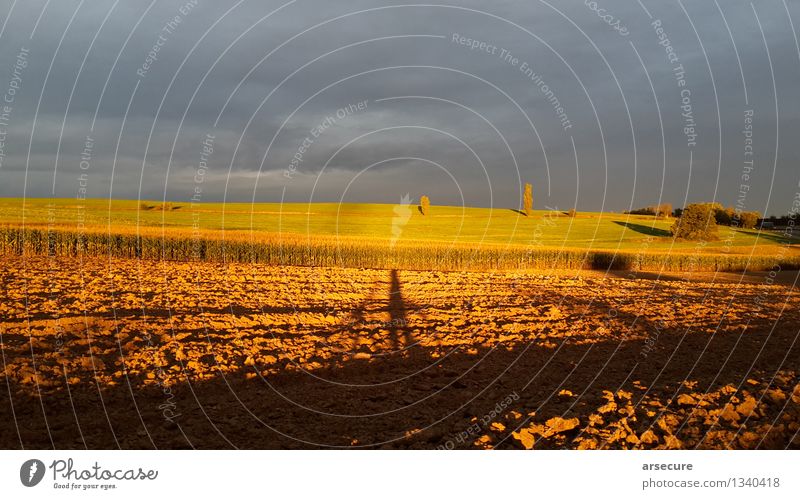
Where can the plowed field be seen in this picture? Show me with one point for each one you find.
(105, 353)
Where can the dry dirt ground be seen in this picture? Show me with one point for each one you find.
(133, 354)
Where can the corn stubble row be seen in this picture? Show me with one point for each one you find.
(294, 249)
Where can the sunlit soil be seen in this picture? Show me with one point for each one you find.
(138, 354)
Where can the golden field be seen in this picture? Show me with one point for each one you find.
(113, 352)
(382, 236)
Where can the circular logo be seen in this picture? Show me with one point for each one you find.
(31, 472)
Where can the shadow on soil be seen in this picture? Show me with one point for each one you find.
(421, 397)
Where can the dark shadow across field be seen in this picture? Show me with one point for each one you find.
(644, 229)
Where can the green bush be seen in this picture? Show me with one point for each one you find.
(697, 223)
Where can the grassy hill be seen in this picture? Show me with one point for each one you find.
(391, 230)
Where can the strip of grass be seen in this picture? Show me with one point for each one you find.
(379, 222)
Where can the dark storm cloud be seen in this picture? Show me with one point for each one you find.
(261, 84)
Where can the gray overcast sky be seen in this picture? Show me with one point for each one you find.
(266, 79)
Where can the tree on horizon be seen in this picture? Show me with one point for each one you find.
(424, 205)
(697, 223)
(527, 200)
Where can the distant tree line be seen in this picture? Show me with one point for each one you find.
(781, 221)
(699, 221)
(662, 210)
(730, 216)
(722, 216)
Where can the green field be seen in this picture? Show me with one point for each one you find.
(379, 235)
